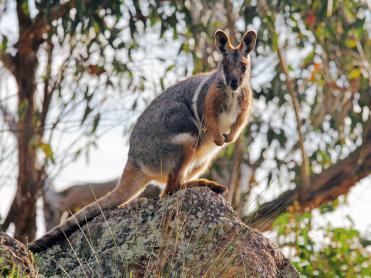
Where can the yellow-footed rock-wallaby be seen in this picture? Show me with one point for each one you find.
(180, 133)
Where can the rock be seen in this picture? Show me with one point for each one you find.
(15, 259)
(192, 233)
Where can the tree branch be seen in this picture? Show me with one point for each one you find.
(8, 62)
(33, 34)
(23, 16)
(305, 171)
(234, 180)
(326, 186)
(9, 119)
(48, 91)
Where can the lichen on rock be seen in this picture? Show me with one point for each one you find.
(192, 233)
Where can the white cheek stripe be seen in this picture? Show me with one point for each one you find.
(195, 101)
(223, 76)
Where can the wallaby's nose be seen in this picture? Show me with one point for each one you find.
(234, 84)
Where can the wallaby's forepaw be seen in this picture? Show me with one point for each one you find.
(228, 137)
(219, 140)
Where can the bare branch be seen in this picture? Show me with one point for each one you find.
(305, 172)
(8, 62)
(48, 92)
(23, 18)
(32, 35)
(234, 181)
(42, 20)
(8, 118)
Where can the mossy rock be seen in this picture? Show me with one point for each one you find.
(192, 233)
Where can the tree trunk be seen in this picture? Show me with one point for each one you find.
(27, 187)
(25, 62)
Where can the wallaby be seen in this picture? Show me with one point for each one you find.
(177, 137)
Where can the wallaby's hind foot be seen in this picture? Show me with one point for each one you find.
(214, 186)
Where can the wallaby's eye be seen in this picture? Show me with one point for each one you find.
(243, 67)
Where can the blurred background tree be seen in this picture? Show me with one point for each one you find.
(81, 66)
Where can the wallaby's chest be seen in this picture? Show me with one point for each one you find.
(228, 112)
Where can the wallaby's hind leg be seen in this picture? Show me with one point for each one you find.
(198, 171)
(194, 181)
(177, 176)
(131, 184)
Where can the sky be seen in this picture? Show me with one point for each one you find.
(108, 159)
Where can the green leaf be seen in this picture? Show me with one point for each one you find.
(95, 123)
(22, 108)
(274, 41)
(308, 59)
(47, 150)
(25, 8)
(162, 84)
(169, 68)
(351, 43)
(4, 44)
(354, 74)
(88, 110)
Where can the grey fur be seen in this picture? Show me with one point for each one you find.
(168, 115)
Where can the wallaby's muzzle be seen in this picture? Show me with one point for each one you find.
(234, 84)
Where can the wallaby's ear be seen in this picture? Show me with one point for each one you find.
(248, 42)
(222, 41)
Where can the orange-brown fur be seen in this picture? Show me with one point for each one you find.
(213, 98)
(211, 120)
(242, 117)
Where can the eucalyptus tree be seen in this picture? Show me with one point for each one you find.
(308, 141)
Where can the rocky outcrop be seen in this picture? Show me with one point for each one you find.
(15, 259)
(190, 234)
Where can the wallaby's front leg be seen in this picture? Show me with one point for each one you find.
(211, 118)
(239, 124)
(236, 128)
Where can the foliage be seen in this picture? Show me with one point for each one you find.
(324, 250)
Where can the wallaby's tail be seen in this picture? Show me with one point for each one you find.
(131, 183)
(71, 224)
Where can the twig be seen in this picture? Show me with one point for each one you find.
(305, 171)
(8, 62)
